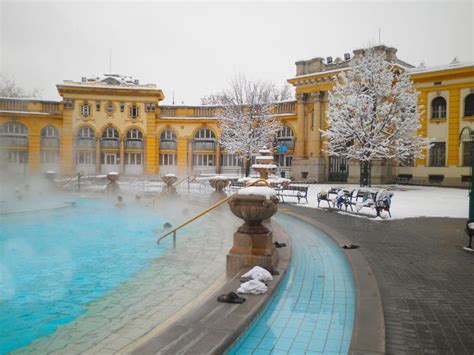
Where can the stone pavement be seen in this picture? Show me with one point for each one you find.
(116, 322)
(425, 279)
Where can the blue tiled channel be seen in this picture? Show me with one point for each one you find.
(312, 312)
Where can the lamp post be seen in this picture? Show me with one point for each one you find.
(470, 221)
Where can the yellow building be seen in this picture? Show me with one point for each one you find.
(113, 123)
(446, 100)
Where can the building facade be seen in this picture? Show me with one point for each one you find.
(113, 123)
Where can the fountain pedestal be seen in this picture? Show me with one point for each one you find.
(253, 241)
(112, 187)
(169, 180)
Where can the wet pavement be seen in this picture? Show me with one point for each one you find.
(425, 278)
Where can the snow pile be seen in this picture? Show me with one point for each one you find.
(265, 191)
(219, 177)
(264, 166)
(170, 175)
(264, 157)
(113, 173)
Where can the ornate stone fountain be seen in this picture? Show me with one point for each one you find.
(112, 187)
(253, 241)
(219, 183)
(169, 180)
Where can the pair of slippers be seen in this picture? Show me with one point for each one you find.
(279, 245)
(231, 297)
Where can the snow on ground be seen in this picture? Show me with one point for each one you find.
(407, 201)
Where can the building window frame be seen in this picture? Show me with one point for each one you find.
(167, 159)
(437, 155)
(85, 109)
(469, 105)
(439, 108)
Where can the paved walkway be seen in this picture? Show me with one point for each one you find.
(425, 279)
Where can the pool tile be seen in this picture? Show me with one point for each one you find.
(313, 309)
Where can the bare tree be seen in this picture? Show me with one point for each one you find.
(8, 88)
(245, 117)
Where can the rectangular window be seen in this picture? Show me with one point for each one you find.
(134, 111)
(97, 106)
(230, 160)
(133, 158)
(466, 153)
(203, 160)
(122, 107)
(68, 104)
(438, 154)
(85, 110)
(85, 157)
(49, 157)
(167, 159)
(150, 107)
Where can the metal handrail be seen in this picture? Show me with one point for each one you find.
(78, 175)
(207, 210)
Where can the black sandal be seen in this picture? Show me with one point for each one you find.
(231, 297)
(279, 245)
(350, 246)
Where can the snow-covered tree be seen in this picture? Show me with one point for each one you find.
(373, 114)
(245, 118)
(8, 88)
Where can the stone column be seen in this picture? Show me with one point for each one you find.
(97, 155)
(300, 126)
(122, 156)
(218, 158)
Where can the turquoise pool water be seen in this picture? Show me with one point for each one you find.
(52, 263)
(313, 310)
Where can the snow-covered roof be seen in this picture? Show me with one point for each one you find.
(454, 65)
(25, 112)
(110, 80)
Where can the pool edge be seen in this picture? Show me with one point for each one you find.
(368, 335)
(211, 327)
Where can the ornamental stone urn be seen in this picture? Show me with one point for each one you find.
(169, 180)
(253, 241)
(112, 187)
(219, 183)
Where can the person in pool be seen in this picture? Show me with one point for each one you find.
(166, 226)
(119, 202)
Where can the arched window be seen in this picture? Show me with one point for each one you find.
(285, 137)
(134, 139)
(204, 139)
(168, 140)
(438, 107)
(205, 134)
(85, 138)
(134, 133)
(49, 137)
(49, 132)
(110, 133)
(13, 129)
(13, 134)
(168, 135)
(86, 132)
(469, 105)
(285, 132)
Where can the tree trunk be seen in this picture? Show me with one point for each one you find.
(365, 173)
(247, 166)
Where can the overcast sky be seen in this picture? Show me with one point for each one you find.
(193, 49)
